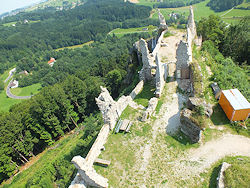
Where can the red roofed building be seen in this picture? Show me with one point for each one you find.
(51, 61)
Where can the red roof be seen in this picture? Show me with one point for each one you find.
(51, 60)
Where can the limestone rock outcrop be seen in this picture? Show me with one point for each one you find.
(188, 127)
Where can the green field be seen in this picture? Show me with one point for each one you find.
(201, 10)
(147, 2)
(120, 32)
(6, 102)
(76, 46)
(26, 91)
(9, 24)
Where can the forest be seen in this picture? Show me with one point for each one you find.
(218, 5)
(67, 100)
(230, 63)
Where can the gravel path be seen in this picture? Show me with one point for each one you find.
(200, 159)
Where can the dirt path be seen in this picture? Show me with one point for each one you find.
(168, 53)
(198, 160)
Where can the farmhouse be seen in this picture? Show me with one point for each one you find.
(51, 61)
(234, 104)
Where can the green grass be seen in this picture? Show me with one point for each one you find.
(201, 10)
(4, 75)
(6, 102)
(244, 4)
(26, 91)
(128, 113)
(64, 148)
(9, 24)
(145, 95)
(237, 175)
(149, 3)
(121, 32)
(75, 46)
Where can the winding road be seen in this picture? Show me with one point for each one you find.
(8, 92)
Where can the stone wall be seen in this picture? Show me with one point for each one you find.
(160, 76)
(137, 89)
(183, 60)
(191, 23)
(158, 43)
(108, 108)
(111, 110)
(147, 60)
(188, 127)
(151, 108)
(86, 175)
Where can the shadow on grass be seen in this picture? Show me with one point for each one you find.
(219, 117)
(146, 94)
(213, 177)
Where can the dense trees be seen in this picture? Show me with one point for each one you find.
(177, 3)
(231, 42)
(218, 5)
(236, 41)
(28, 44)
(71, 85)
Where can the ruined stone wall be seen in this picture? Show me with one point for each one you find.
(151, 108)
(191, 23)
(137, 89)
(188, 127)
(183, 61)
(147, 60)
(95, 150)
(111, 110)
(108, 108)
(158, 44)
(160, 76)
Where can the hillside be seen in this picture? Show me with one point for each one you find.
(120, 96)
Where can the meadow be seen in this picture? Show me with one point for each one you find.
(121, 32)
(201, 10)
(75, 46)
(6, 102)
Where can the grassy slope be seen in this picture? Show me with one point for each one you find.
(76, 46)
(6, 102)
(63, 148)
(120, 32)
(201, 10)
(26, 91)
(234, 176)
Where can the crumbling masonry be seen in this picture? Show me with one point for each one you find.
(151, 61)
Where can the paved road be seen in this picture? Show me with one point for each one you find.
(10, 95)
(10, 75)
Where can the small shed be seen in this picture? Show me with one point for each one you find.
(234, 104)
